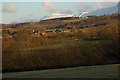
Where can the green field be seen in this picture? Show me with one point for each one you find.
(102, 71)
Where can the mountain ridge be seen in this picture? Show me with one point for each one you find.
(104, 11)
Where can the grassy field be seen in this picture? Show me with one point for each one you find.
(102, 71)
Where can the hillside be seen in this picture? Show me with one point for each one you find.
(60, 43)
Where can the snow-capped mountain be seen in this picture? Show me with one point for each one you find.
(104, 11)
(56, 15)
(99, 12)
(81, 14)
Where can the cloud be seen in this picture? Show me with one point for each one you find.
(66, 12)
(48, 6)
(9, 8)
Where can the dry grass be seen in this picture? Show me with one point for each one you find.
(96, 45)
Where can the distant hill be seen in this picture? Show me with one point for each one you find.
(65, 22)
(104, 11)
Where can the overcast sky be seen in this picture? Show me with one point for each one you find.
(33, 11)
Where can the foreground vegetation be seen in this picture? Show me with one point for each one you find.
(100, 71)
(95, 44)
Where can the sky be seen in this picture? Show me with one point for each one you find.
(13, 11)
